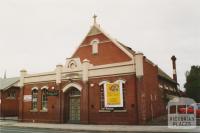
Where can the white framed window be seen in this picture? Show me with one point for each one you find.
(114, 100)
(44, 99)
(34, 99)
(94, 44)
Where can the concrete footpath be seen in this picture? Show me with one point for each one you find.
(107, 128)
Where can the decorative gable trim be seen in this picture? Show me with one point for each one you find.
(90, 33)
(115, 42)
(94, 31)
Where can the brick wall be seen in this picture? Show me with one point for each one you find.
(128, 117)
(108, 52)
(90, 112)
(150, 98)
(9, 105)
(51, 115)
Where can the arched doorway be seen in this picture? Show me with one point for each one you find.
(72, 104)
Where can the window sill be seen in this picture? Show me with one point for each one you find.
(11, 98)
(34, 110)
(102, 111)
(43, 110)
(120, 111)
(117, 111)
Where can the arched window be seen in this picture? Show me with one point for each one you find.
(44, 99)
(94, 44)
(34, 98)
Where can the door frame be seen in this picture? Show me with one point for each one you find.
(66, 98)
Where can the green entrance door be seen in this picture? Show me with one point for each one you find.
(74, 106)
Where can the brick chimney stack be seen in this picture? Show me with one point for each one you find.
(173, 58)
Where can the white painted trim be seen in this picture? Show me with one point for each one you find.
(58, 73)
(69, 61)
(122, 81)
(114, 75)
(85, 73)
(103, 82)
(139, 65)
(95, 48)
(115, 42)
(94, 71)
(44, 87)
(35, 88)
(125, 69)
(75, 85)
(106, 81)
(113, 65)
(94, 34)
(95, 40)
(39, 78)
(40, 74)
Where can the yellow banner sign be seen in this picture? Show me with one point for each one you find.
(113, 94)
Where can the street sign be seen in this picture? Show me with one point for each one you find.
(52, 92)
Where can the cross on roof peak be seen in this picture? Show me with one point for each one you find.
(95, 18)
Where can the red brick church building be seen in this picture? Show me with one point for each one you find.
(104, 82)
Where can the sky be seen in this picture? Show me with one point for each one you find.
(36, 35)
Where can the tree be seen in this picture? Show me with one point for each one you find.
(192, 84)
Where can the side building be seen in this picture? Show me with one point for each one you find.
(9, 97)
(104, 82)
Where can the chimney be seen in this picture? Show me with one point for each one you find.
(5, 76)
(173, 58)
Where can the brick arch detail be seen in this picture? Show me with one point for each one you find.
(75, 85)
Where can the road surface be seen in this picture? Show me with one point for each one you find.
(8, 129)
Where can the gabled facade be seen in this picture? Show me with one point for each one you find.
(104, 82)
(108, 51)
